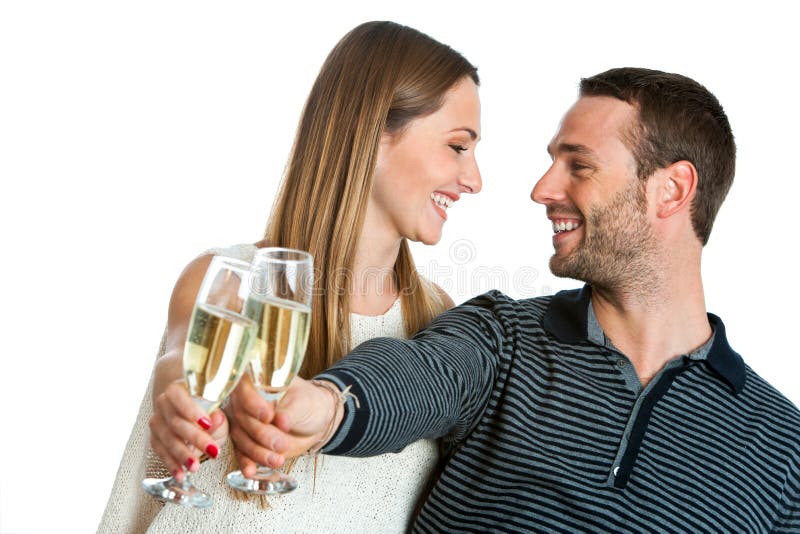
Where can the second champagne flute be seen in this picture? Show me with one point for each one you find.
(280, 303)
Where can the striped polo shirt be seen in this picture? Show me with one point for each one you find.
(548, 429)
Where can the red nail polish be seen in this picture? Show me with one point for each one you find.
(212, 450)
(189, 463)
(205, 422)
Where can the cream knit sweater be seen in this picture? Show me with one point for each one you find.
(351, 495)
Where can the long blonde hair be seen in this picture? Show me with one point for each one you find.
(377, 79)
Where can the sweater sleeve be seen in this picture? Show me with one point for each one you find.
(436, 384)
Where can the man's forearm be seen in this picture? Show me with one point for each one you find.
(429, 387)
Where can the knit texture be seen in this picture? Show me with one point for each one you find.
(378, 494)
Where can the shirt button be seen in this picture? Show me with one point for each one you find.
(621, 363)
(616, 469)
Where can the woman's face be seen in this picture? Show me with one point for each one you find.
(422, 171)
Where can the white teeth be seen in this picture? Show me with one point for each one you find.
(441, 200)
(562, 226)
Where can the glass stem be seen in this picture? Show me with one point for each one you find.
(187, 479)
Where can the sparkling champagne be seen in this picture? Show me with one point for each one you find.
(218, 348)
(283, 328)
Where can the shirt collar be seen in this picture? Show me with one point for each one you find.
(723, 360)
(567, 319)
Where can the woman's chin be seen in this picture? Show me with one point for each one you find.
(431, 239)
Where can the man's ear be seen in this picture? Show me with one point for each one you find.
(677, 188)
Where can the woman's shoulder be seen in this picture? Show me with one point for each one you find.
(446, 299)
(188, 283)
(437, 291)
(242, 251)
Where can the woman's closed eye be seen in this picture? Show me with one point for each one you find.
(458, 148)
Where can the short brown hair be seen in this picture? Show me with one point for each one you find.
(679, 119)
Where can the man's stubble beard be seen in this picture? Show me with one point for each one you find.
(618, 250)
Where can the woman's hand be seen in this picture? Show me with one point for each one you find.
(267, 436)
(179, 428)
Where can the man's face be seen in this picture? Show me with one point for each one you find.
(595, 201)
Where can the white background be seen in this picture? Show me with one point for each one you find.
(133, 136)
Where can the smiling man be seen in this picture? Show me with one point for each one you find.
(619, 407)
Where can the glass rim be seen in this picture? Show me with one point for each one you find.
(292, 255)
(231, 262)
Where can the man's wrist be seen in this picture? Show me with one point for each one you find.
(335, 412)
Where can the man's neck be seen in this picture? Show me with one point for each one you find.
(669, 322)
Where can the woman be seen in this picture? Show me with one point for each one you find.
(384, 147)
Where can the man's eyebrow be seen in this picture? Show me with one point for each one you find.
(470, 131)
(570, 148)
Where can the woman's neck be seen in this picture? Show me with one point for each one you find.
(374, 282)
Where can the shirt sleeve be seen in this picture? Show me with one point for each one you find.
(789, 512)
(436, 384)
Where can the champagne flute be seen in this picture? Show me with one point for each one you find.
(280, 304)
(219, 344)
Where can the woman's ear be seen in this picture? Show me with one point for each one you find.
(383, 147)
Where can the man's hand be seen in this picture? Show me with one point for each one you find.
(267, 436)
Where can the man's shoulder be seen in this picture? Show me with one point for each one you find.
(502, 305)
(769, 400)
(771, 416)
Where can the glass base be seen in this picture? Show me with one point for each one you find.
(266, 482)
(170, 490)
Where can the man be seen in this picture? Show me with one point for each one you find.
(618, 407)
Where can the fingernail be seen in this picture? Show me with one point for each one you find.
(176, 474)
(274, 459)
(205, 422)
(277, 445)
(189, 463)
(212, 450)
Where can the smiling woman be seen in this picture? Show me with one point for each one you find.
(385, 144)
(423, 169)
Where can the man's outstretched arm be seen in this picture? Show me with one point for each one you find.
(398, 391)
